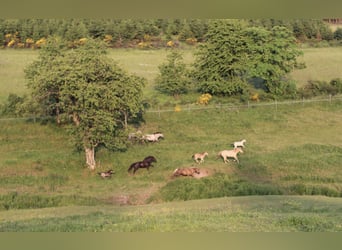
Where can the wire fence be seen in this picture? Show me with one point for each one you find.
(249, 104)
(228, 106)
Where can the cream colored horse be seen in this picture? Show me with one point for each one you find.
(199, 157)
(240, 143)
(225, 154)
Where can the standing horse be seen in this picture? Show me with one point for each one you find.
(199, 157)
(225, 154)
(146, 163)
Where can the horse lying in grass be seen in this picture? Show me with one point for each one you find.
(186, 172)
(199, 157)
(225, 154)
(146, 163)
(106, 174)
(239, 143)
(153, 137)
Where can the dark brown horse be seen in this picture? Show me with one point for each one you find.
(146, 163)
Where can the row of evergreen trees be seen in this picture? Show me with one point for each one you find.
(141, 32)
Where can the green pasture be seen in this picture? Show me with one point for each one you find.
(289, 177)
(322, 64)
(230, 214)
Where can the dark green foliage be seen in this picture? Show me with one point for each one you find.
(234, 53)
(126, 32)
(317, 88)
(173, 79)
(338, 34)
(234, 87)
(11, 106)
(85, 88)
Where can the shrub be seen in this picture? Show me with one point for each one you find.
(338, 34)
(224, 88)
(204, 99)
(10, 107)
(316, 88)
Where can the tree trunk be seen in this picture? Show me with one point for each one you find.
(90, 157)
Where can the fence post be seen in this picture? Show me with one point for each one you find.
(330, 98)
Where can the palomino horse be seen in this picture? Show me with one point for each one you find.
(146, 163)
(199, 157)
(153, 137)
(186, 171)
(225, 154)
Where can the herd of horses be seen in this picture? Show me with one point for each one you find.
(148, 161)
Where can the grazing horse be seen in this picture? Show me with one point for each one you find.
(106, 174)
(239, 143)
(146, 163)
(230, 154)
(153, 137)
(199, 157)
(186, 171)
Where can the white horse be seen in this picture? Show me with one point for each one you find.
(225, 154)
(199, 157)
(239, 143)
(153, 137)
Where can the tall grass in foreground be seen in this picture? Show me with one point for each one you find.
(238, 214)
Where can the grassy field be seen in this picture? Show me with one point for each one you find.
(322, 64)
(231, 214)
(291, 150)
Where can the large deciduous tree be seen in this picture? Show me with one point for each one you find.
(86, 89)
(234, 53)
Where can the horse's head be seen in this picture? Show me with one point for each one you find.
(150, 159)
(238, 150)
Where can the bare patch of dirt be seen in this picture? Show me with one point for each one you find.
(203, 173)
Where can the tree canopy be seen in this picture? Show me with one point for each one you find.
(234, 53)
(173, 79)
(85, 88)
